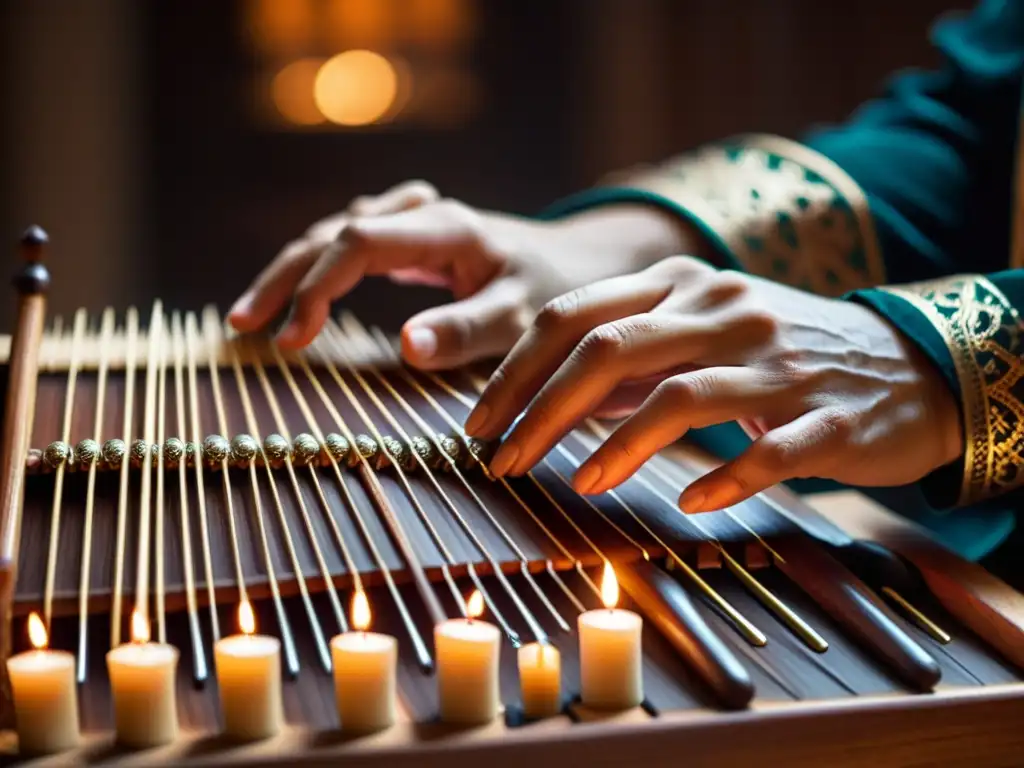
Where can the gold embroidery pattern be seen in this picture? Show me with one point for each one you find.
(983, 332)
(784, 211)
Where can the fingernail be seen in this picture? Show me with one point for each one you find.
(504, 459)
(477, 419)
(692, 500)
(587, 477)
(241, 307)
(423, 342)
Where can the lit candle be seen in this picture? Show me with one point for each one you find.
(468, 652)
(365, 673)
(45, 696)
(142, 679)
(540, 680)
(610, 652)
(249, 679)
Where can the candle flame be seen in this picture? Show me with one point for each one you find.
(140, 628)
(360, 611)
(475, 605)
(609, 587)
(37, 632)
(246, 618)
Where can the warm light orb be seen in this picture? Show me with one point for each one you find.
(293, 92)
(360, 611)
(475, 605)
(140, 628)
(355, 88)
(246, 618)
(37, 632)
(609, 587)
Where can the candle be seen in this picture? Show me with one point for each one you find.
(142, 679)
(365, 672)
(249, 679)
(610, 652)
(540, 680)
(45, 696)
(468, 652)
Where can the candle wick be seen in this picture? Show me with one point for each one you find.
(364, 635)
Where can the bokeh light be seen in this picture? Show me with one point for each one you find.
(292, 91)
(355, 88)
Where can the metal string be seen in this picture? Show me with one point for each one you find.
(58, 489)
(210, 333)
(199, 668)
(106, 332)
(132, 332)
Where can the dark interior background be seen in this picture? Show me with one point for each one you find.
(142, 134)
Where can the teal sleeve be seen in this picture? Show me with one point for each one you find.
(970, 327)
(917, 183)
(935, 154)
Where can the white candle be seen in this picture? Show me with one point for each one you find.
(365, 673)
(45, 695)
(468, 652)
(249, 680)
(611, 655)
(540, 680)
(142, 680)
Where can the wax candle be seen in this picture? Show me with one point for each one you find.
(45, 695)
(468, 652)
(540, 680)
(365, 673)
(249, 679)
(610, 652)
(142, 679)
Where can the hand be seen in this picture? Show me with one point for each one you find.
(827, 388)
(499, 268)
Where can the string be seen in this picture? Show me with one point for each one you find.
(417, 640)
(58, 490)
(191, 333)
(154, 339)
(211, 326)
(132, 332)
(158, 447)
(402, 538)
(332, 592)
(300, 579)
(106, 332)
(334, 336)
(532, 623)
(200, 672)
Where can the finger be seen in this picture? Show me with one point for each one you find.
(402, 197)
(691, 401)
(429, 237)
(273, 287)
(484, 325)
(636, 346)
(790, 451)
(549, 340)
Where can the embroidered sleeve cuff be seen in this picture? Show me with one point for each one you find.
(970, 326)
(771, 206)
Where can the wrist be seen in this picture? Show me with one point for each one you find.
(634, 234)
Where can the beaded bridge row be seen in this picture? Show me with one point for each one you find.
(217, 452)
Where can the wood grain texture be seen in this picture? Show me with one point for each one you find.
(803, 707)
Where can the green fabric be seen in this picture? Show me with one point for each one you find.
(935, 156)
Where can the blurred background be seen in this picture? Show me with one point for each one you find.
(170, 147)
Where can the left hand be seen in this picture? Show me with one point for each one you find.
(826, 388)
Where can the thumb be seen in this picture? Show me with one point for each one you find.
(487, 324)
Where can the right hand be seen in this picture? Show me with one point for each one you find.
(500, 269)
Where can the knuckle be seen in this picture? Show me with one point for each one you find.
(678, 265)
(756, 323)
(558, 312)
(776, 454)
(837, 425)
(604, 342)
(727, 286)
(422, 190)
(678, 392)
